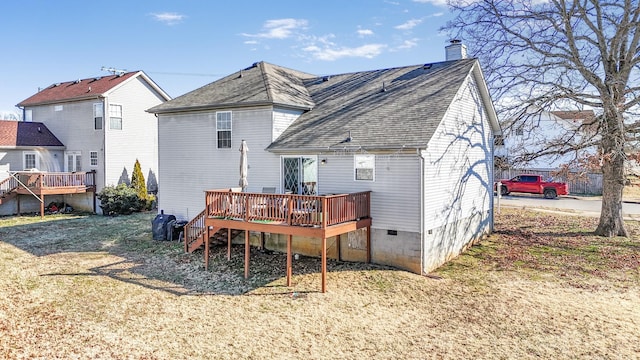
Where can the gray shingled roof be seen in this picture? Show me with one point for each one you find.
(260, 84)
(405, 113)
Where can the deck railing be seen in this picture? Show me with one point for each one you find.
(57, 179)
(301, 210)
(193, 230)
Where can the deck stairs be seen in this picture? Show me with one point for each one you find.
(8, 189)
(196, 232)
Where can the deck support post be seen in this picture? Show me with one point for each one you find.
(41, 206)
(289, 266)
(18, 200)
(247, 252)
(338, 247)
(324, 264)
(206, 248)
(368, 244)
(228, 244)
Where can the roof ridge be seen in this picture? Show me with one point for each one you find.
(265, 78)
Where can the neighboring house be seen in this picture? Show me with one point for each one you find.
(28, 145)
(537, 132)
(420, 138)
(25, 146)
(103, 123)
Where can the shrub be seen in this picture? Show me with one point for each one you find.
(120, 200)
(137, 181)
(140, 187)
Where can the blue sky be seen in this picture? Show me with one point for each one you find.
(183, 45)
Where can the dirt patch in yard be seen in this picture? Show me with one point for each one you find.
(95, 287)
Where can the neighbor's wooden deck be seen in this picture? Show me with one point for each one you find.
(300, 215)
(40, 184)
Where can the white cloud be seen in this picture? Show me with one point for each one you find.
(409, 24)
(279, 28)
(408, 44)
(168, 18)
(365, 32)
(251, 42)
(432, 2)
(330, 54)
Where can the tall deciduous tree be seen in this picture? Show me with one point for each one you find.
(578, 53)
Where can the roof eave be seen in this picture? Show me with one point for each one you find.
(332, 149)
(82, 98)
(227, 106)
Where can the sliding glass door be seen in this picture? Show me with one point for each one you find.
(300, 174)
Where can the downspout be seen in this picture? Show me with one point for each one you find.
(422, 205)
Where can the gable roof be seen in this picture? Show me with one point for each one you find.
(389, 108)
(84, 89)
(28, 134)
(383, 109)
(260, 84)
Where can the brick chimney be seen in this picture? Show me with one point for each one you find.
(456, 50)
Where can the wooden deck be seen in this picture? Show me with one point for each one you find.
(300, 215)
(39, 184)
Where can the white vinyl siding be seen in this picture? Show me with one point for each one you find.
(183, 177)
(139, 133)
(395, 200)
(282, 118)
(458, 178)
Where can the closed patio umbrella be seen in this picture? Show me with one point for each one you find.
(244, 168)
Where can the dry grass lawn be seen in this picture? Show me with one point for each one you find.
(91, 287)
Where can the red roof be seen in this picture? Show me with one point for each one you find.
(77, 90)
(586, 116)
(21, 133)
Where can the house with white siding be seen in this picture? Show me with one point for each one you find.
(396, 163)
(548, 140)
(104, 126)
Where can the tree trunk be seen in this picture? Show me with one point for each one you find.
(613, 178)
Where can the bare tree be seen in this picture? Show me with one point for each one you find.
(568, 53)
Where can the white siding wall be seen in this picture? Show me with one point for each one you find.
(190, 163)
(138, 138)
(282, 118)
(395, 197)
(74, 127)
(458, 179)
(12, 159)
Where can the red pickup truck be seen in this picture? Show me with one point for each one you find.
(533, 184)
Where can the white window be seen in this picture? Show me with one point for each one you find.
(57, 108)
(28, 115)
(98, 115)
(72, 161)
(364, 167)
(30, 160)
(93, 156)
(115, 117)
(223, 129)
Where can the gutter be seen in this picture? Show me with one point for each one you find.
(329, 150)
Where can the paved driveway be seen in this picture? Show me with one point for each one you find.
(586, 205)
